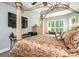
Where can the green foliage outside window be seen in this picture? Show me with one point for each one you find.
(52, 23)
(55, 25)
(61, 29)
(52, 29)
(61, 24)
(58, 30)
(49, 24)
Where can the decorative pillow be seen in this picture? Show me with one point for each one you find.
(71, 39)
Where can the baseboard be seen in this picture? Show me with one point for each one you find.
(4, 50)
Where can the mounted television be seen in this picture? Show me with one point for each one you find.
(12, 21)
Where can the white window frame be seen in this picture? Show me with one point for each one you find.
(55, 24)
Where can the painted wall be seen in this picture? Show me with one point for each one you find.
(4, 29)
(66, 19)
(33, 18)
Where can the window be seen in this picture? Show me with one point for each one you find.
(52, 23)
(61, 24)
(55, 25)
(73, 20)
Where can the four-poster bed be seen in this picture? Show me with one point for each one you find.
(44, 45)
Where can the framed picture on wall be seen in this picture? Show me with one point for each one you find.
(73, 20)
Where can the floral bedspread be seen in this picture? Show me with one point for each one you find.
(39, 46)
(48, 46)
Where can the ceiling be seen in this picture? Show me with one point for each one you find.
(28, 7)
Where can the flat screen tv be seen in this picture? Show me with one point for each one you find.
(12, 21)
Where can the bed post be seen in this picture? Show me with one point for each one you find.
(18, 20)
(41, 24)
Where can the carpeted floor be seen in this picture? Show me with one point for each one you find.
(5, 54)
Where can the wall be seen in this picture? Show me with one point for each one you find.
(33, 18)
(4, 29)
(66, 19)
